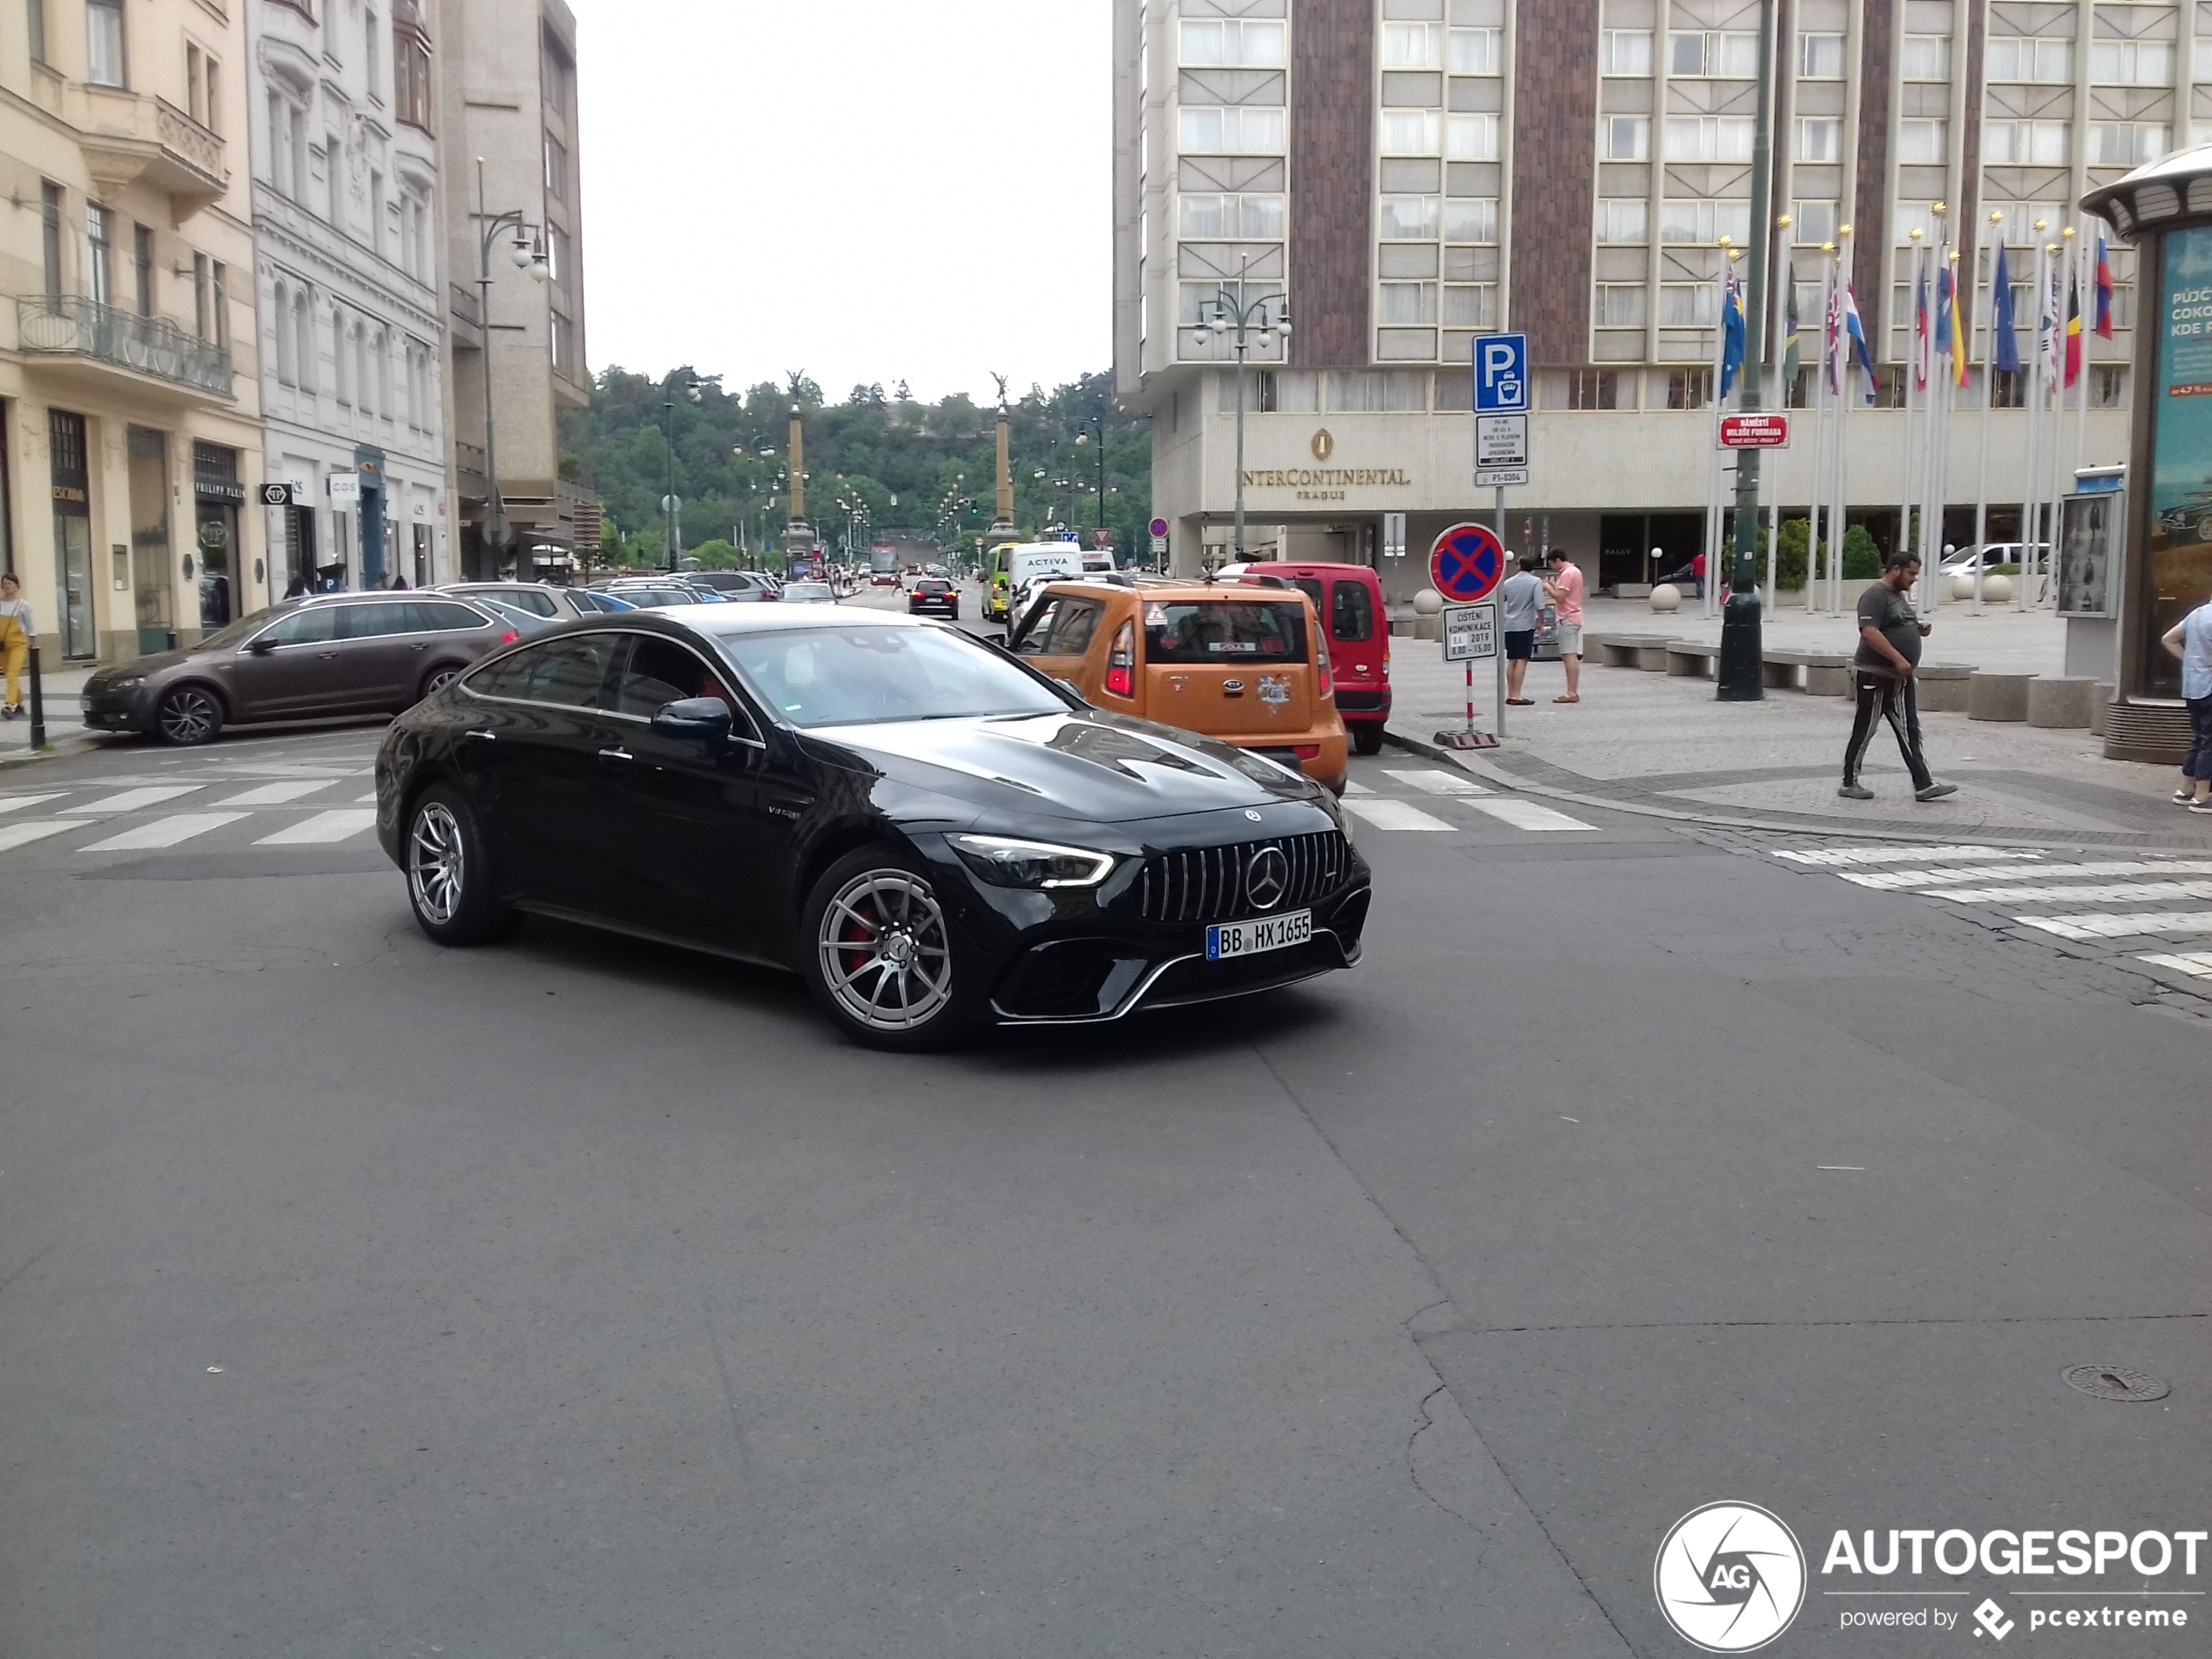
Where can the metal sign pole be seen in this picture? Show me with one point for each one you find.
(1500, 727)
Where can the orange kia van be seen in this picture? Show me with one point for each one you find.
(1244, 663)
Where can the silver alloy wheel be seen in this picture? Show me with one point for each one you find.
(886, 955)
(188, 716)
(435, 863)
(439, 680)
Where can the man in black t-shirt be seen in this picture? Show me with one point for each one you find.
(1889, 651)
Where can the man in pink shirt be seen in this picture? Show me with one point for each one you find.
(1563, 587)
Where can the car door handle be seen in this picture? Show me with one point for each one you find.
(484, 737)
(425, 645)
(616, 754)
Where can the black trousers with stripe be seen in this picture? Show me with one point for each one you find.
(1883, 696)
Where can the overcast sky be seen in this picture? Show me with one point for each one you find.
(866, 189)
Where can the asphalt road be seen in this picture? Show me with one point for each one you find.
(579, 1297)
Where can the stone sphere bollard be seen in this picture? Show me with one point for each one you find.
(1666, 597)
(1427, 603)
(1962, 585)
(1997, 590)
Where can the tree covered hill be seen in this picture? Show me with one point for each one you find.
(924, 466)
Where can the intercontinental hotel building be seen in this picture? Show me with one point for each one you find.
(1410, 173)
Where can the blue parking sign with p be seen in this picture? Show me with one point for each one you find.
(1500, 373)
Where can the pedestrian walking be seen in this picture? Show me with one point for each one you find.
(1522, 595)
(2190, 639)
(17, 630)
(1889, 653)
(1564, 588)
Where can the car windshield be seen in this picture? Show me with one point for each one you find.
(808, 590)
(239, 632)
(854, 676)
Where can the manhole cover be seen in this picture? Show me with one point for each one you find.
(2113, 1382)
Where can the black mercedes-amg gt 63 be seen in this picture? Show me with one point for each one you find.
(934, 835)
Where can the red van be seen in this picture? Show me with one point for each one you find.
(1348, 598)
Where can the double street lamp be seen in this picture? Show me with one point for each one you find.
(670, 504)
(528, 252)
(1229, 312)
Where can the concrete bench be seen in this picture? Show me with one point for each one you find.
(2063, 702)
(1827, 673)
(1997, 697)
(1627, 650)
(1943, 688)
(1688, 660)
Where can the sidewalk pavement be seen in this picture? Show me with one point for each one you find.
(60, 689)
(1651, 742)
(2001, 639)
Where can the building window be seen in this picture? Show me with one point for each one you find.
(1735, 55)
(1627, 137)
(2029, 57)
(1408, 219)
(1593, 388)
(1411, 132)
(1413, 45)
(1471, 138)
(340, 386)
(2007, 388)
(1923, 140)
(287, 370)
(1216, 218)
(1405, 303)
(1624, 51)
(563, 346)
(410, 79)
(1709, 138)
(2201, 69)
(1244, 43)
(1471, 218)
(1471, 304)
(1619, 304)
(2025, 143)
(142, 267)
(333, 162)
(2132, 63)
(1812, 222)
(200, 295)
(1705, 222)
(49, 228)
(2127, 144)
(1925, 57)
(219, 286)
(371, 64)
(1623, 219)
(36, 20)
(2108, 386)
(1690, 388)
(556, 169)
(1820, 137)
(1229, 130)
(1472, 52)
(303, 338)
(1820, 57)
(100, 255)
(1688, 305)
(1910, 217)
(105, 63)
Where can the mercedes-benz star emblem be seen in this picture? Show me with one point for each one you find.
(1268, 880)
(1252, 814)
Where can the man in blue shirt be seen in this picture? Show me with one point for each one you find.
(1521, 597)
(2190, 639)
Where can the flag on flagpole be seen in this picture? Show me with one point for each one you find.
(1958, 328)
(1921, 360)
(1791, 365)
(2104, 290)
(2073, 328)
(1832, 338)
(2006, 348)
(1731, 330)
(1943, 312)
(2046, 333)
(1856, 332)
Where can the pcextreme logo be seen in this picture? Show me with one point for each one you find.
(1730, 1577)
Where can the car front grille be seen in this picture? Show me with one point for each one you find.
(1207, 883)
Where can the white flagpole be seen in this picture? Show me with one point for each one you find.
(1785, 275)
(2054, 467)
(1843, 417)
(1931, 537)
(1988, 394)
(1906, 469)
(1817, 491)
(2031, 489)
(2085, 277)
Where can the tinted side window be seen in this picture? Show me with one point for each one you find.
(313, 627)
(1072, 628)
(508, 675)
(385, 616)
(1036, 636)
(1311, 586)
(660, 671)
(1351, 612)
(435, 616)
(531, 600)
(572, 672)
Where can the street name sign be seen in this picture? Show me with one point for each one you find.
(1466, 561)
(1755, 432)
(1393, 535)
(1501, 450)
(1500, 373)
(1470, 633)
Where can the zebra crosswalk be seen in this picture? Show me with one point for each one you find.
(1433, 792)
(320, 809)
(2045, 892)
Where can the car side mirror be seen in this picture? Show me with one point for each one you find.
(261, 646)
(700, 719)
(1072, 689)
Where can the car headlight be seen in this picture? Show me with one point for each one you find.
(124, 682)
(1005, 862)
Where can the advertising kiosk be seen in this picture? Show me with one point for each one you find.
(2164, 517)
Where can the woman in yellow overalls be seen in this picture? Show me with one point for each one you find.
(16, 630)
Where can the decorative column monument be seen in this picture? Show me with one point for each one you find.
(1002, 522)
(798, 535)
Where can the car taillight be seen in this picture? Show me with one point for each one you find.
(1121, 662)
(1328, 672)
(509, 637)
(1309, 752)
(1385, 659)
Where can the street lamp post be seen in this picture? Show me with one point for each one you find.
(671, 505)
(1739, 673)
(1240, 319)
(498, 534)
(1098, 431)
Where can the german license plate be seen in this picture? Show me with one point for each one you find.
(1229, 939)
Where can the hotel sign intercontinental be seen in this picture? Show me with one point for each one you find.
(1327, 483)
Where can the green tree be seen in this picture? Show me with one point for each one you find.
(1862, 559)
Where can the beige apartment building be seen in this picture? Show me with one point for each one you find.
(508, 162)
(129, 416)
